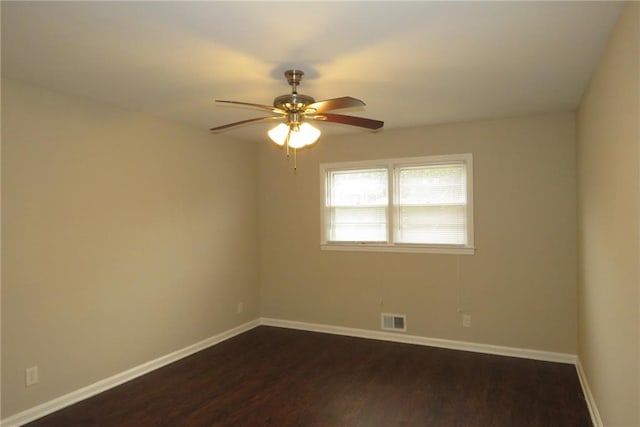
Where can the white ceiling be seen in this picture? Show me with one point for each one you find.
(413, 63)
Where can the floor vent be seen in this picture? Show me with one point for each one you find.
(394, 322)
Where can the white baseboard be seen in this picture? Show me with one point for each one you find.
(56, 404)
(591, 403)
(546, 356)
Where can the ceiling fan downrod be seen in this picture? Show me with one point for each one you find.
(293, 78)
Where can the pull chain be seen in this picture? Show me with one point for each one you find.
(286, 142)
(295, 152)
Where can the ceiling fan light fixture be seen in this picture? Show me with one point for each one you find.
(300, 137)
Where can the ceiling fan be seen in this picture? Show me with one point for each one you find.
(295, 110)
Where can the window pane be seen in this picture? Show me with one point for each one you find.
(364, 215)
(359, 224)
(358, 188)
(432, 185)
(357, 203)
(432, 204)
(432, 224)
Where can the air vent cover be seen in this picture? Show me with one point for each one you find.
(394, 322)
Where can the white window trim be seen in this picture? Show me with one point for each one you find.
(390, 165)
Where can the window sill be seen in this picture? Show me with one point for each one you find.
(372, 247)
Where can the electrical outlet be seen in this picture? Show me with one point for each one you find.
(240, 307)
(31, 376)
(466, 320)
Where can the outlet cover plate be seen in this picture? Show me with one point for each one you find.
(31, 376)
(466, 320)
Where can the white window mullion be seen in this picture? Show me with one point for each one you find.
(469, 179)
(391, 206)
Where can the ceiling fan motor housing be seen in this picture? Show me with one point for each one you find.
(294, 102)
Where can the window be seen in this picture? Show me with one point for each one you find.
(422, 204)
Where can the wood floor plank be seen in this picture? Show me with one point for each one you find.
(280, 377)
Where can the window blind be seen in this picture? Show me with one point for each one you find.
(357, 202)
(431, 204)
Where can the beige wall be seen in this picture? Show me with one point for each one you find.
(124, 238)
(519, 287)
(609, 226)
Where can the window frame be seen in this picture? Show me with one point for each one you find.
(392, 166)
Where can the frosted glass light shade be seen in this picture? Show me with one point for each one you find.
(279, 133)
(303, 136)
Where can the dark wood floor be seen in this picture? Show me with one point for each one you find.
(280, 377)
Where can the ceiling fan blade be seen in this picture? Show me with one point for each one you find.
(350, 120)
(335, 104)
(244, 122)
(249, 104)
